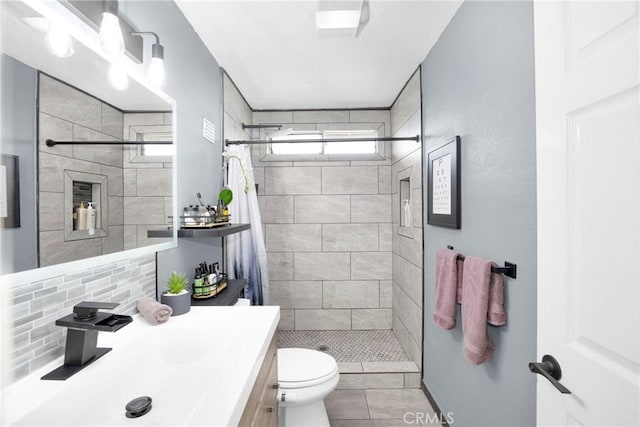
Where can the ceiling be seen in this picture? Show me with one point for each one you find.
(278, 60)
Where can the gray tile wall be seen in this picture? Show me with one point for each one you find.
(236, 112)
(147, 186)
(328, 228)
(36, 306)
(68, 114)
(407, 247)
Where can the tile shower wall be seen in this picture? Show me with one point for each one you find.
(36, 306)
(148, 185)
(407, 241)
(67, 114)
(236, 112)
(328, 228)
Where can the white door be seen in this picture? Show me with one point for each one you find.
(588, 167)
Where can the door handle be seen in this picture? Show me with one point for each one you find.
(550, 369)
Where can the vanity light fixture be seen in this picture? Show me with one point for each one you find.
(111, 39)
(155, 73)
(59, 41)
(118, 76)
(38, 23)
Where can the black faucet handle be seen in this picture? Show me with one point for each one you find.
(89, 309)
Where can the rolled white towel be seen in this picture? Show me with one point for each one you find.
(154, 312)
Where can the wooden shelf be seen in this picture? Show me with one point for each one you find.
(194, 233)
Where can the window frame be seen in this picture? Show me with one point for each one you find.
(267, 154)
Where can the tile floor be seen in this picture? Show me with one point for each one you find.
(379, 386)
(379, 407)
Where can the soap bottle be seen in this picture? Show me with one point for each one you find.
(407, 213)
(81, 217)
(91, 217)
(198, 283)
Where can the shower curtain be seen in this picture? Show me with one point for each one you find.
(246, 254)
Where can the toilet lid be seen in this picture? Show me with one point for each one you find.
(303, 367)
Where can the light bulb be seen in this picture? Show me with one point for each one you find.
(59, 41)
(118, 77)
(111, 35)
(156, 72)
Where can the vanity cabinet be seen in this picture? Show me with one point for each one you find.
(262, 407)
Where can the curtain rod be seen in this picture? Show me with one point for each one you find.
(303, 141)
(51, 142)
(263, 126)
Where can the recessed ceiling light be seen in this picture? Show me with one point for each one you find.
(337, 19)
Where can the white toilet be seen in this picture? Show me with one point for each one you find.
(305, 377)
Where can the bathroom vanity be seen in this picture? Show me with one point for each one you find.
(213, 366)
(261, 409)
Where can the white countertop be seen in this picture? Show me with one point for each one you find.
(199, 369)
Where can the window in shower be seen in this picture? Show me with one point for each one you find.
(293, 148)
(150, 153)
(331, 145)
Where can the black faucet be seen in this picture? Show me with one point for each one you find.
(83, 325)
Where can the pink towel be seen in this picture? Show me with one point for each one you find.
(448, 272)
(496, 315)
(482, 302)
(154, 312)
(460, 271)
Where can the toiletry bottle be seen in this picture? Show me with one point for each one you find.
(407, 213)
(203, 214)
(91, 217)
(186, 216)
(213, 280)
(81, 217)
(194, 214)
(220, 207)
(198, 283)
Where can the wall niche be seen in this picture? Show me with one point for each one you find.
(82, 187)
(404, 193)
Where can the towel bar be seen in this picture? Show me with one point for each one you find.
(510, 269)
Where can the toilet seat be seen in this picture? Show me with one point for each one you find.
(301, 367)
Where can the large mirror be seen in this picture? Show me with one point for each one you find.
(91, 194)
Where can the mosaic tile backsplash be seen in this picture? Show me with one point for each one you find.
(36, 306)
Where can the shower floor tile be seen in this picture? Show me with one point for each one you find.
(347, 346)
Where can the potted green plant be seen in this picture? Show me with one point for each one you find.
(177, 295)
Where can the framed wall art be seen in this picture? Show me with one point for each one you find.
(443, 169)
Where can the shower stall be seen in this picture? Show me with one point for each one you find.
(343, 230)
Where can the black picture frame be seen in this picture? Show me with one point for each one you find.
(443, 171)
(10, 193)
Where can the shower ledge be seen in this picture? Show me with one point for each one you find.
(195, 233)
(406, 366)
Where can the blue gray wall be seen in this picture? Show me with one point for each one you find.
(194, 81)
(478, 82)
(18, 137)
